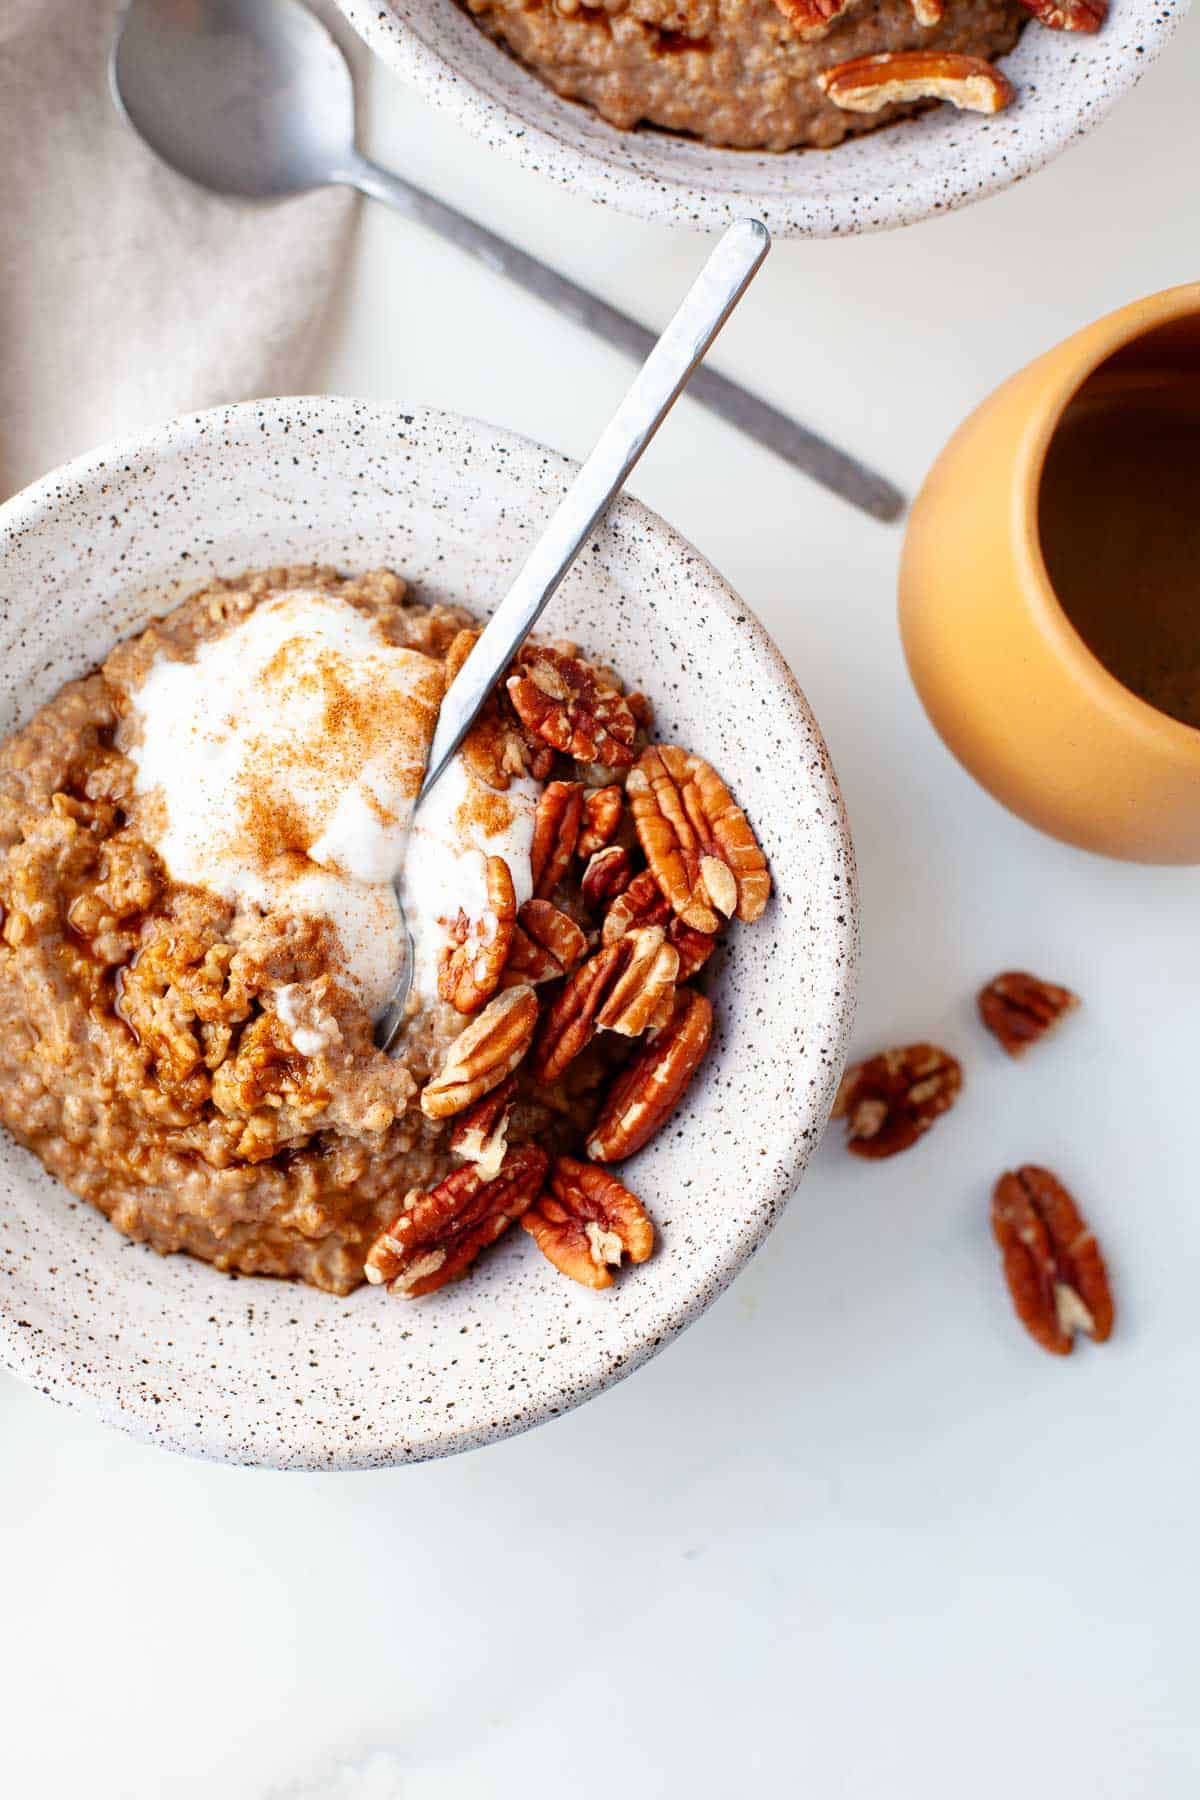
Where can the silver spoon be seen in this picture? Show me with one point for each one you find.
(254, 98)
(706, 306)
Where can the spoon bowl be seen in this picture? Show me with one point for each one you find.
(248, 99)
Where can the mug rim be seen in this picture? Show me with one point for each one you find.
(1104, 337)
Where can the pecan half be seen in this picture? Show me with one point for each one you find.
(562, 700)
(696, 838)
(586, 1221)
(480, 1057)
(1052, 1263)
(648, 1090)
(890, 1100)
(570, 1021)
(1068, 15)
(637, 997)
(609, 873)
(868, 83)
(479, 1135)
(474, 962)
(812, 18)
(602, 809)
(546, 944)
(642, 903)
(495, 749)
(555, 834)
(1019, 1008)
(441, 1232)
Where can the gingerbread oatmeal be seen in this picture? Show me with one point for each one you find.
(772, 74)
(200, 846)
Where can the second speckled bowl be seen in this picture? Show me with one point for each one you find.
(1066, 83)
(259, 1371)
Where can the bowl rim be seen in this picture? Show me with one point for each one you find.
(62, 1378)
(532, 141)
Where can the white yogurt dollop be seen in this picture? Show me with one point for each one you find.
(287, 755)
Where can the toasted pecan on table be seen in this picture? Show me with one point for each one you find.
(696, 839)
(564, 701)
(648, 1090)
(869, 83)
(1019, 1008)
(555, 834)
(1052, 1263)
(484, 1054)
(474, 961)
(585, 1222)
(892, 1099)
(439, 1233)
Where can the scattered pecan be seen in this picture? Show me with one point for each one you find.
(481, 1056)
(642, 903)
(643, 989)
(696, 838)
(474, 962)
(1068, 15)
(1019, 1008)
(441, 1232)
(868, 83)
(555, 834)
(479, 1135)
(609, 873)
(811, 18)
(602, 810)
(586, 1221)
(563, 701)
(1052, 1263)
(647, 1091)
(891, 1099)
(546, 944)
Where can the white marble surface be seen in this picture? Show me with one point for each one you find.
(854, 1535)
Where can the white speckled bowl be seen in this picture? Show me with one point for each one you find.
(252, 1370)
(1066, 84)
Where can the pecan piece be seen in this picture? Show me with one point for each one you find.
(562, 700)
(646, 1093)
(474, 961)
(495, 748)
(441, 1232)
(602, 810)
(586, 1221)
(1019, 1008)
(642, 903)
(811, 18)
(644, 988)
(480, 1057)
(555, 834)
(570, 1021)
(696, 838)
(479, 1135)
(609, 873)
(1052, 1263)
(891, 1099)
(546, 944)
(866, 84)
(1068, 15)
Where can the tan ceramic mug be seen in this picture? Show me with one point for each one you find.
(1006, 678)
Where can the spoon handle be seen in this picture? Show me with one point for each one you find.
(812, 455)
(706, 306)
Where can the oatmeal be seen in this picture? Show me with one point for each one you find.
(199, 846)
(757, 74)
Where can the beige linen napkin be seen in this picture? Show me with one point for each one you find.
(125, 294)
